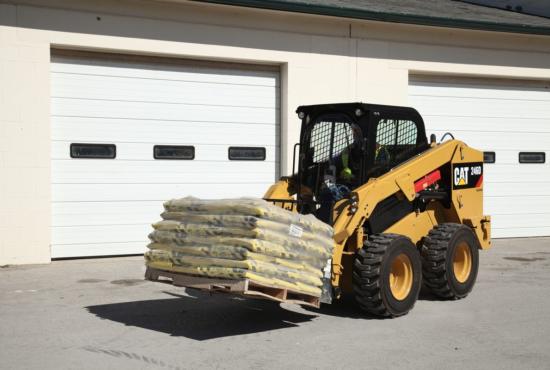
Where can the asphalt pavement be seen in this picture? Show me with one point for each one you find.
(100, 313)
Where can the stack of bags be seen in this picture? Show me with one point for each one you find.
(241, 238)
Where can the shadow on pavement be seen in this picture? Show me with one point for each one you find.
(201, 316)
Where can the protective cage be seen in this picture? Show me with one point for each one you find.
(329, 137)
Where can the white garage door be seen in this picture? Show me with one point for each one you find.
(505, 118)
(129, 133)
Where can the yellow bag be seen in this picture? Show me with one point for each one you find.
(307, 242)
(234, 253)
(241, 238)
(249, 207)
(264, 268)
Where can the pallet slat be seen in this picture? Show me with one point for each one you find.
(245, 287)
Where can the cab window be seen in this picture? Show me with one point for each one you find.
(395, 141)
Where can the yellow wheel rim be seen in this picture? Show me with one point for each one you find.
(462, 262)
(401, 277)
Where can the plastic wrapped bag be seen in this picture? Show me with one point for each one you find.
(248, 207)
(241, 238)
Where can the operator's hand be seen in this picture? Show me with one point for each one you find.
(346, 174)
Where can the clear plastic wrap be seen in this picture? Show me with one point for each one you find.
(241, 238)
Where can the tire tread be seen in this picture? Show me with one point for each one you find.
(367, 274)
(434, 258)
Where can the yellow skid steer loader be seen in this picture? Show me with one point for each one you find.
(406, 211)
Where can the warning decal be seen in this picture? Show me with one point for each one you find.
(467, 175)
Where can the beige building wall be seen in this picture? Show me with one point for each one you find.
(322, 59)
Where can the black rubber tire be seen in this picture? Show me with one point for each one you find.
(371, 272)
(437, 260)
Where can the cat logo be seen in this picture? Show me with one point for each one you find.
(467, 175)
(461, 176)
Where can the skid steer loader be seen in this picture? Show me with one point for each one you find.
(405, 211)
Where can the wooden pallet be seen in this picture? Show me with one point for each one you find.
(245, 287)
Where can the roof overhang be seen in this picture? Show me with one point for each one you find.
(354, 13)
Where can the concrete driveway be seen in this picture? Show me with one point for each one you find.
(99, 313)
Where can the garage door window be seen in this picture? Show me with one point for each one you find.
(239, 153)
(174, 152)
(532, 157)
(489, 157)
(95, 151)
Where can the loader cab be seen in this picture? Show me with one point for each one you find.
(342, 146)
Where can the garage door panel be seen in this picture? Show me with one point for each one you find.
(519, 232)
(105, 206)
(181, 133)
(98, 249)
(479, 108)
(481, 91)
(198, 173)
(505, 117)
(523, 221)
(513, 172)
(517, 205)
(100, 213)
(107, 168)
(174, 92)
(491, 141)
(117, 233)
(64, 107)
(516, 189)
(504, 124)
(160, 192)
(139, 217)
(162, 71)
